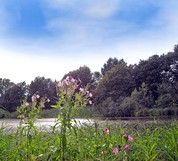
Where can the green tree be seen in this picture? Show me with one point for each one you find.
(13, 96)
(111, 62)
(83, 73)
(115, 84)
(45, 88)
(96, 77)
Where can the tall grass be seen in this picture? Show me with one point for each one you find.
(92, 142)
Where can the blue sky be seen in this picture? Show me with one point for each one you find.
(52, 37)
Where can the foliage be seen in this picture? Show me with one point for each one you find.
(107, 141)
(70, 98)
(83, 73)
(28, 112)
(12, 94)
(4, 114)
(111, 62)
(115, 83)
(45, 88)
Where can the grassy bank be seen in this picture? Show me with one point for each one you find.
(106, 140)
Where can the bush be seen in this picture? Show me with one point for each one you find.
(155, 112)
(142, 112)
(170, 111)
(128, 106)
(49, 113)
(109, 108)
(4, 114)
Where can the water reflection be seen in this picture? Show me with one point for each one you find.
(41, 123)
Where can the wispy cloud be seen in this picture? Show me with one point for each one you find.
(77, 33)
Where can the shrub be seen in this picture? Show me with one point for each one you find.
(109, 108)
(142, 112)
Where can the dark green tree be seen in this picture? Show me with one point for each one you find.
(111, 62)
(45, 88)
(13, 96)
(5, 85)
(115, 85)
(96, 77)
(83, 73)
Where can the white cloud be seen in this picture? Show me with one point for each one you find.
(85, 40)
(90, 8)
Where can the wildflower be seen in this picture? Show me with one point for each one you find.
(89, 94)
(48, 100)
(33, 98)
(27, 104)
(81, 89)
(37, 96)
(90, 102)
(73, 80)
(67, 78)
(60, 84)
(131, 139)
(115, 150)
(66, 82)
(127, 147)
(106, 130)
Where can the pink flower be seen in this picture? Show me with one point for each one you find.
(60, 84)
(48, 100)
(27, 104)
(73, 80)
(106, 130)
(37, 96)
(89, 94)
(33, 98)
(127, 147)
(67, 78)
(66, 82)
(131, 139)
(81, 89)
(115, 150)
(90, 102)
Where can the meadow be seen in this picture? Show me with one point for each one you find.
(99, 141)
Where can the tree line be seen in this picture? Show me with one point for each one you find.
(147, 88)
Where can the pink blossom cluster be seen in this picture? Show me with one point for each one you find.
(115, 150)
(35, 97)
(72, 86)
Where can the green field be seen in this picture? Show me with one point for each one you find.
(152, 140)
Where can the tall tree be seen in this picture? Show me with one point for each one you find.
(111, 62)
(96, 77)
(5, 85)
(45, 88)
(83, 73)
(13, 96)
(116, 83)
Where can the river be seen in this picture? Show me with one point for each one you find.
(41, 123)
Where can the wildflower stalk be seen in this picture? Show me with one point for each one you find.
(28, 112)
(71, 97)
